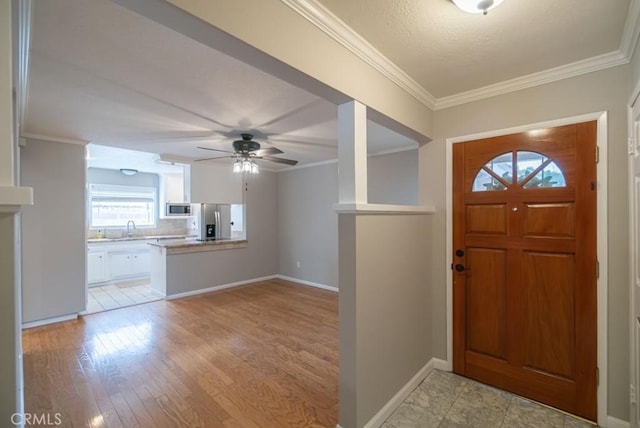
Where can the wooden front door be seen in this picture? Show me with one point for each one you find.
(524, 264)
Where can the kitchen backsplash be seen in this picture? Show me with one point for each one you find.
(169, 226)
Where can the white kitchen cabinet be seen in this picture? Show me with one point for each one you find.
(172, 189)
(120, 265)
(130, 264)
(96, 266)
(141, 263)
(118, 260)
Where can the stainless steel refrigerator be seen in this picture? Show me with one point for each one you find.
(214, 221)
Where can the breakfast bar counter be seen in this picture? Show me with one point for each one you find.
(181, 246)
(184, 267)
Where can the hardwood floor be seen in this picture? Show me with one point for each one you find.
(263, 355)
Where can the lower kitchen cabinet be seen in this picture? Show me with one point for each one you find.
(114, 261)
(129, 264)
(141, 263)
(96, 266)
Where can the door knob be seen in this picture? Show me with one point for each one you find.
(459, 252)
(460, 267)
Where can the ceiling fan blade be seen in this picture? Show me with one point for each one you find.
(208, 159)
(215, 150)
(279, 160)
(267, 151)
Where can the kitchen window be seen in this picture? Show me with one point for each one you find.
(113, 205)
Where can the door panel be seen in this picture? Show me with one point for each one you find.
(554, 219)
(487, 218)
(525, 307)
(486, 332)
(549, 289)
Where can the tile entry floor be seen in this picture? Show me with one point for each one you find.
(446, 400)
(119, 295)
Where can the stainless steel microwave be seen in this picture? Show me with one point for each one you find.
(177, 209)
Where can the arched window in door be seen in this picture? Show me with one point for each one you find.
(533, 171)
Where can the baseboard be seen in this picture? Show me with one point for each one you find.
(401, 395)
(46, 321)
(158, 294)
(309, 283)
(441, 364)
(616, 423)
(218, 287)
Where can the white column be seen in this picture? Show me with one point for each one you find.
(352, 153)
(6, 99)
(9, 350)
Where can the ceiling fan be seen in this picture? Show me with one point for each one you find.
(245, 152)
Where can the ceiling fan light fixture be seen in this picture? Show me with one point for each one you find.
(237, 166)
(254, 168)
(477, 6)
(246, 166)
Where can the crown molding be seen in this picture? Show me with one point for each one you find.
(330, 24)
(308, 165)
(30, 136)
(335, 161)
(394, 150)
(573, 69)
(173, 159)
(335, 28)
(631, 30)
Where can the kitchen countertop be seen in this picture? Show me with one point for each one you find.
(192, 245)
(140, 238)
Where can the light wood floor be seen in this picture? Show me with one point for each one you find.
(264, 355)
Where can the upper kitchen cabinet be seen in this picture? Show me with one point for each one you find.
(172, 187)
(215, 183)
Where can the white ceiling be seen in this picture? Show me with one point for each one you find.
(103, 74)
(448, 51)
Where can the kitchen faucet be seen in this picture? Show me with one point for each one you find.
(129, 232)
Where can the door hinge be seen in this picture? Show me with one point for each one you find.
(597, 376)
(597, 269)
(597, 154)
(631, 143)
(632, 394)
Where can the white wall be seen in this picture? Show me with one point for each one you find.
(53, 230)
(308, 224)
(594, 92)
(393, 178)
(385, 321)
(215, 183)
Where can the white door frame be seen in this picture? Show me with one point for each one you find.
(602, 253)
(634, 337)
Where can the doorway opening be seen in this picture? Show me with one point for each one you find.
(127, 192)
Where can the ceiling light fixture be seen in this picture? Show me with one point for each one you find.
(245, 164)
(237, 166)
(128, 171)
(477, 6)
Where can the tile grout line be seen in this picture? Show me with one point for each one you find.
(457, 397)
